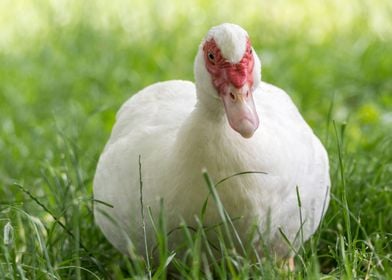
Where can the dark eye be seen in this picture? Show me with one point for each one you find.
(250, 50)
(211, 57)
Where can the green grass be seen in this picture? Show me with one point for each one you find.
(66, 68)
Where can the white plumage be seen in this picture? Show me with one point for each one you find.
(179, 128)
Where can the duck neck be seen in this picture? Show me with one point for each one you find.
(198, 139)
(206, 140)
(212, 112)
(210, 105)
(204, 124)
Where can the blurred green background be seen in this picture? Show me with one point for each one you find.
(67, 66)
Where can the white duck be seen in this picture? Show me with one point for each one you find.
(179, 128)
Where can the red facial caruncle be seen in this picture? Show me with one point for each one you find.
(234, 84)
(225, 73)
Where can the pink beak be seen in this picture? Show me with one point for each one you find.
(240, 110)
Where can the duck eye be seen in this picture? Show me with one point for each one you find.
(211, 57)
(250, 50)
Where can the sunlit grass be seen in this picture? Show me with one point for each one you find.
(138, 20)
(66, 67)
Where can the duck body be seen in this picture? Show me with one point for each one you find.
(169, 134)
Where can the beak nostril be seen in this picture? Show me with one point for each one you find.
(232, 96)
(247, 94)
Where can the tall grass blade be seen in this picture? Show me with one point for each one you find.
(143, 219)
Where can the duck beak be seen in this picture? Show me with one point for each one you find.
(240, 110)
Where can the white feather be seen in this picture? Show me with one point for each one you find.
(231, 40)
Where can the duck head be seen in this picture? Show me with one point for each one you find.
(228, 70)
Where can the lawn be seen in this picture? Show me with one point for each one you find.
(67, 66)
